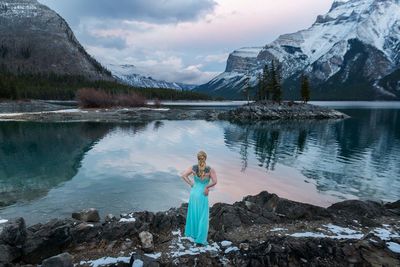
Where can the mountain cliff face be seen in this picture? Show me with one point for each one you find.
(35, 39)
(351, 53)
(128, 74)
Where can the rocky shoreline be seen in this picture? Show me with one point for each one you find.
(249, 112)
(260, 230)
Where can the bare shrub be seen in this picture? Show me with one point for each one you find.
(92, 98)
(157, 103)
(130, 100)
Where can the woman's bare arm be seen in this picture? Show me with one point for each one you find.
(185, 176)
(213, 176)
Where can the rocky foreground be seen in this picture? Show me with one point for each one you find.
(260, 230)
(250, 112)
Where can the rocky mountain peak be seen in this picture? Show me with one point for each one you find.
(35, 39)
(360, 37)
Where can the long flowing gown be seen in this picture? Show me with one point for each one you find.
(198, 211)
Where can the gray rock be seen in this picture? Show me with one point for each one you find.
(8, 254)
(61, 260)
(13, 232)
(146, 239)
(139, 260)
(47, 240)
(110, 218)
(88, 215)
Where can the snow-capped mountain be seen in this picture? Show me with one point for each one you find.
(128, 74)
(352, 52)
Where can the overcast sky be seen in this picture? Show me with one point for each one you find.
(181, 40)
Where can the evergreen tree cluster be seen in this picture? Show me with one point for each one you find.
(305, 89)
(269, 85)
(64, 87)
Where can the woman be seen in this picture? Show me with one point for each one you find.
(198, 210)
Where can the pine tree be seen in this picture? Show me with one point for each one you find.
(305, 89)
(275, 85)
(266, 78)
(247, 88)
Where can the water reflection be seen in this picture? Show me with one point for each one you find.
(36, 157)
(355, 157)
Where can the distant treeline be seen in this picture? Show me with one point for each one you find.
(64, 87)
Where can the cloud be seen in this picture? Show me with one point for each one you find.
(161, 65)
(156, 11)
(220, 58)
(181, 40)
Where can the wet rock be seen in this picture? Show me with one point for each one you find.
(244, 246)
(8, 254)
(85, 232)
(393, 205)
(47, 240)
(110, 218)
(357, 209)
(13, 232)
(117, 230)
(61, 260)
(146, 239)
(88, 215)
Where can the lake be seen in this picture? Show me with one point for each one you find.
(50, 170)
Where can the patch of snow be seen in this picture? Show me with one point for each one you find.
(278, 229)
(71, 110)
(137, 263)
(246, 52)
(395, 247)
(226, 243)
(230, 249)
(385, 234)
(106, 260)
(309, 234)
(153, 255)
(178, 232)
(127, 220)
(338, 231)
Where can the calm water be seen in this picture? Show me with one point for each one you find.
(49, 170)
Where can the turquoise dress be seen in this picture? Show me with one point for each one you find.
(198, 210)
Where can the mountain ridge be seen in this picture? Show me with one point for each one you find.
(129, 74)
(355, 36)
(35, 39)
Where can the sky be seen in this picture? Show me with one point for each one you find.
(184, 41)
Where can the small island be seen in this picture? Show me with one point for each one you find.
(253, 111)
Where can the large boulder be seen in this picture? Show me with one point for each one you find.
(8, 254)
(61, 260)
(87, 215)
(358, 209)
(13, 232)
(47, 240)
(146, 240)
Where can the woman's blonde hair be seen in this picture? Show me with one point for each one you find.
(201, 157)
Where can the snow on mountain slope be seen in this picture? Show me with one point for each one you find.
(361, 35)
(128, 74)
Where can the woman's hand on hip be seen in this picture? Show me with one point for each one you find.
(206, 191)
